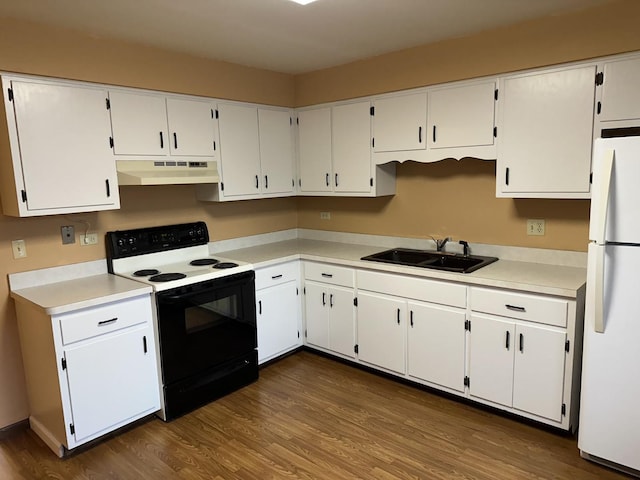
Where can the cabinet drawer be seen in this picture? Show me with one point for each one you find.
(91, 322)
(276, 274)
(413, 288)
(321, 272)
(534, 308)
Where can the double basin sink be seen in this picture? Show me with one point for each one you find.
(449, 262)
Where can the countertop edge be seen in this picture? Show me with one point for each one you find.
(499, 274)
(113, 289)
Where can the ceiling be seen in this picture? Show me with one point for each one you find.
(283, 36)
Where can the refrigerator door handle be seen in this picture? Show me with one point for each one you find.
(602, 196)
(599, 289)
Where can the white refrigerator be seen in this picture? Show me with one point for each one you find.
(609, 430)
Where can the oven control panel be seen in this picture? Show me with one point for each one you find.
(140, 241)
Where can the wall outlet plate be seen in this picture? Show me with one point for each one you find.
(325, 215)
(535, 227)
(68, 234)
(19, 248)
(88, 239)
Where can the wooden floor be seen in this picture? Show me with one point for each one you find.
(311, 417)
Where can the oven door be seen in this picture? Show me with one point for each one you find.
(206, 324)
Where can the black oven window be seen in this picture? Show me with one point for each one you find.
(211, 314)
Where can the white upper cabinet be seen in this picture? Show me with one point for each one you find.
(334, 152)
(239, 150)
(314, 150)
(399, 123)
(618, 94)
(192, 128)
(256, 154)
(462, 119)
(61, 158)
(147, 125)
(277, 151)
(545, 134)
(139, 124)
(351, 137)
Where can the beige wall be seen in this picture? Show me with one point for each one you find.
(447, 198)
(32, 49)
(458, 198)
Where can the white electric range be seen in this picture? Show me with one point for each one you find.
(205, 314)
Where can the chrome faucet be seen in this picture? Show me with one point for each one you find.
(440, 243)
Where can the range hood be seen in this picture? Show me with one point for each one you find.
(149, 172)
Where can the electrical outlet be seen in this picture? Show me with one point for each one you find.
(535, 227)
(68, 234)
(19, 248)
(325, 215)
(89, 239)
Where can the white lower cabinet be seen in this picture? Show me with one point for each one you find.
(520, 366)
(436, 344)
(516, 351)
(410, 325)
(382, 331)
(525, 365)
(491, 359)
(538, 374)
(329, 308)
(88, 371)
(278, 310)
(106, 387)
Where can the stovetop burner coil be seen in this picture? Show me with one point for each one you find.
(146, 272)
(203, 261)
(222, 265)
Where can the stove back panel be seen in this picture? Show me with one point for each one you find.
(141, 241)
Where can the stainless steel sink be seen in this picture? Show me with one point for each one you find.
(450, 262)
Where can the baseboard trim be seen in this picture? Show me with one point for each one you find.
(47, 437)
(11, 430)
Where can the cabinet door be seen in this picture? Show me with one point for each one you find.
(139, 124)
(538, 383)
(316, 314)
(63, 133)
(314, 150)
(462, 116)
(436, 344)
(239, 149)
(277, 309)
(491, 346)
(381, 330)
(545, 136)
(112, 380)
(192, 128)
(342, 321)
(399, 123)
(276, 150)
(620, 99)
(351, 137)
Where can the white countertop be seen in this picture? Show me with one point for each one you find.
(69, 295)
(532, 277)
